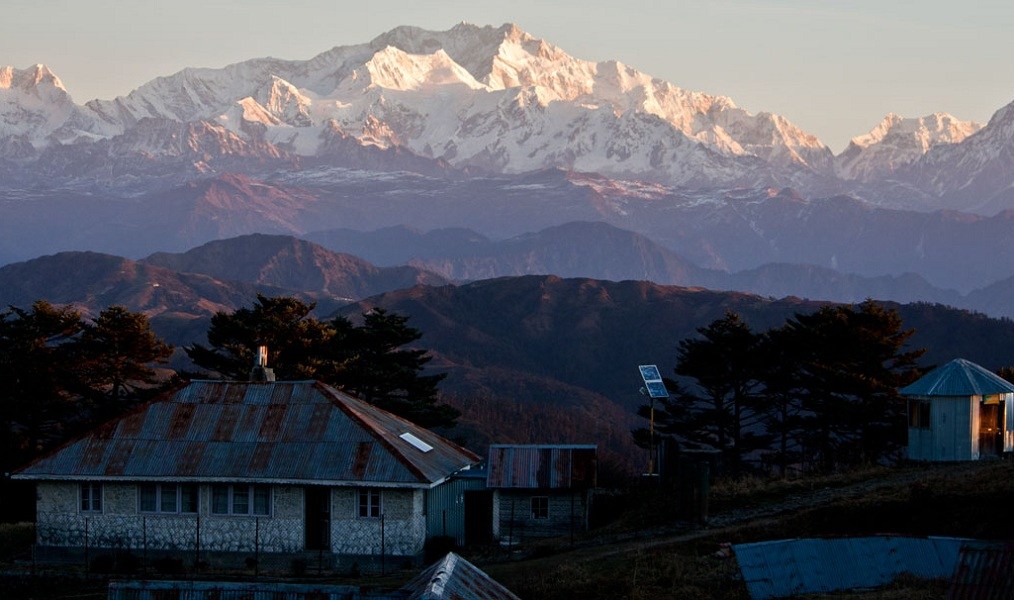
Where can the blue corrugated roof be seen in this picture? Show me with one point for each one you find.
(959, 377)
(297, 432)
(454, 578)
(782, 568)
(549, 466)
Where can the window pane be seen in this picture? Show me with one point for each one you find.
(188, 498)
(91, 497)
(262, 500)
(374, 504)
(168, 498)
(220, 500)
(364, 504)
(240, 500)
(146, 492)
(540, 507)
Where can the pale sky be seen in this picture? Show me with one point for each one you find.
(832, 67)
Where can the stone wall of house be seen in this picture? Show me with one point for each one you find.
(60, 522)
(401, 532)
(512, 509)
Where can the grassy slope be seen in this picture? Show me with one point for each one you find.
(957, 500)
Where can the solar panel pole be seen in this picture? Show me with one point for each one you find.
(654, 387)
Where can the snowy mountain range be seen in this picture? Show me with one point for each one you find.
(479, 100)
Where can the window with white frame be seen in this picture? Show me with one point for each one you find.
(540, 507)
(254, 500)
(369, 504)
(91, 497)
(166, 498)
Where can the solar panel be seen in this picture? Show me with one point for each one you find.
(653, 381)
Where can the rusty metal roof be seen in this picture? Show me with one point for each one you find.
(555, 466)
(283, 432)
(959, 377)
(784, 568)
(454, 578)
(985, 571)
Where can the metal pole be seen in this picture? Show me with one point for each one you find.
(257, 547)
(571, 517)
(651, 438)
(510, 530)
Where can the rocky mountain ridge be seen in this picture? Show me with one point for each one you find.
(482, 99)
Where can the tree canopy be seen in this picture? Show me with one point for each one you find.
(61, 373)
(370, 361)
(820, 392)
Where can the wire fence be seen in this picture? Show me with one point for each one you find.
(196, 543)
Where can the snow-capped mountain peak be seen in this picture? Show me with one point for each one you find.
(897, 141)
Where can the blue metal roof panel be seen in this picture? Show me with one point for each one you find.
(293, 431)
(959, 377)
(784, 568)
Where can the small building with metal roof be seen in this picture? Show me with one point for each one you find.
(244, 468)
(959, 411)
(540, 490)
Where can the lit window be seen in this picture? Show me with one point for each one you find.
(91, 497)
(540, 507)
(252, 500)
(369, 504)
(167, 498)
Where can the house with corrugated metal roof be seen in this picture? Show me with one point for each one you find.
(959, 411)
(540, 490)
(237, 468)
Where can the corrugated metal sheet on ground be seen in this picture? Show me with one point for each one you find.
(782, 568)
(542, 466)
(454, 578)
(985, 571)
(959, 377)
(218, 590)
(292, 431)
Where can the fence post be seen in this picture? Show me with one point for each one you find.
(510, 530)
(383, 547)
(257, 547)
(87, 564)
(144, 545)
(197, 548)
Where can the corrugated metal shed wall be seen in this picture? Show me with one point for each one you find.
(953, 433)
(782, 568)
(542, 466)
(445, 506)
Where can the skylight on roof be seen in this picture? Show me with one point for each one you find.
(419, 444)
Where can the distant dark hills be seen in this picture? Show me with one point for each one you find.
(529, 358)
(290, 263)
(551, 359)
(447, 225)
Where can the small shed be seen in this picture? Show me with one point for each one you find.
(959, 411)
(540, 490)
